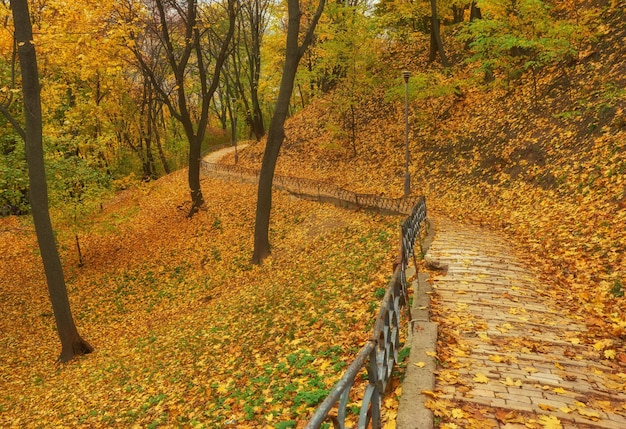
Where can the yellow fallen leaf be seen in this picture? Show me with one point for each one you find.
(510, 382)
(550, 422)
(419, 364)
(530, 369)
(559, 366)
(391, 424)
(481, 378)
(431, 354)
(458, 413)
(559, 390)
(429, 393)
(593, 415)
(574, 341)
(496, 358)
(483, 336)
(546, 407)
(610, 354)
(565, 409)
(602, 344)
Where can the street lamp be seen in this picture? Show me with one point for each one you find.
(407, 177)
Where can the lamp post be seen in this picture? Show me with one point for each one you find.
(407, 177)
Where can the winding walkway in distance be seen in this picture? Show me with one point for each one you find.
(510, 360)
(215, 156)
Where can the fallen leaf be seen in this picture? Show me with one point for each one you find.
(550, 422)
(458, 413)
(481, 378)
(610, 354)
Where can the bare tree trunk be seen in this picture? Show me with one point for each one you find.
(436, 45)
(157, 138)
(475, 11)
(71, 342)
(276, 133)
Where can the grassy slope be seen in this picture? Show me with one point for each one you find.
(185, 330)
(547, 169)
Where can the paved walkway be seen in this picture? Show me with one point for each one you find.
(512, 361)
(215, 156)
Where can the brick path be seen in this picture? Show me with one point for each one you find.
(518, 362)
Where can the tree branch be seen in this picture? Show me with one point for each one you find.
(13, 122)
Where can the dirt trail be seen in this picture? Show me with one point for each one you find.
(516, 359)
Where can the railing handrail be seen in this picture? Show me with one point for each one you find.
(382, 357)
(381, 350)
(319, 190)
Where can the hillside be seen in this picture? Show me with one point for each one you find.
(543, 160)
(186, 332)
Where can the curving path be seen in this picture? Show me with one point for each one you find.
(215, 156)
(513, 360)
(508, 359)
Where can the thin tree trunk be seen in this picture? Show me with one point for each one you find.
(195, 153)
(276, 133)
(475, 12)
(436, 45)
(71, 342)
(157, 138)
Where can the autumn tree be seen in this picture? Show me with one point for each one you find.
(181, 47)
(344, 54)
(71, 342)
(519, 37)
(294, 51)
(436, 44)
(244, 70)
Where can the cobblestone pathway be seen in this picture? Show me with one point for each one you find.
(518, 362)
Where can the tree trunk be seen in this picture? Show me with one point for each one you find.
(275, 137)
(157, 137)
(71, 342)
(436, 45)
(195, 154)
(475, 12)
(457, 13)
(276, 133)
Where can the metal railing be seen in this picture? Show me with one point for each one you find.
(316, 190)
(380, 353)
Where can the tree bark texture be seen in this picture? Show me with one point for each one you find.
(71, 342)
(436, 45)
(276, 133)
